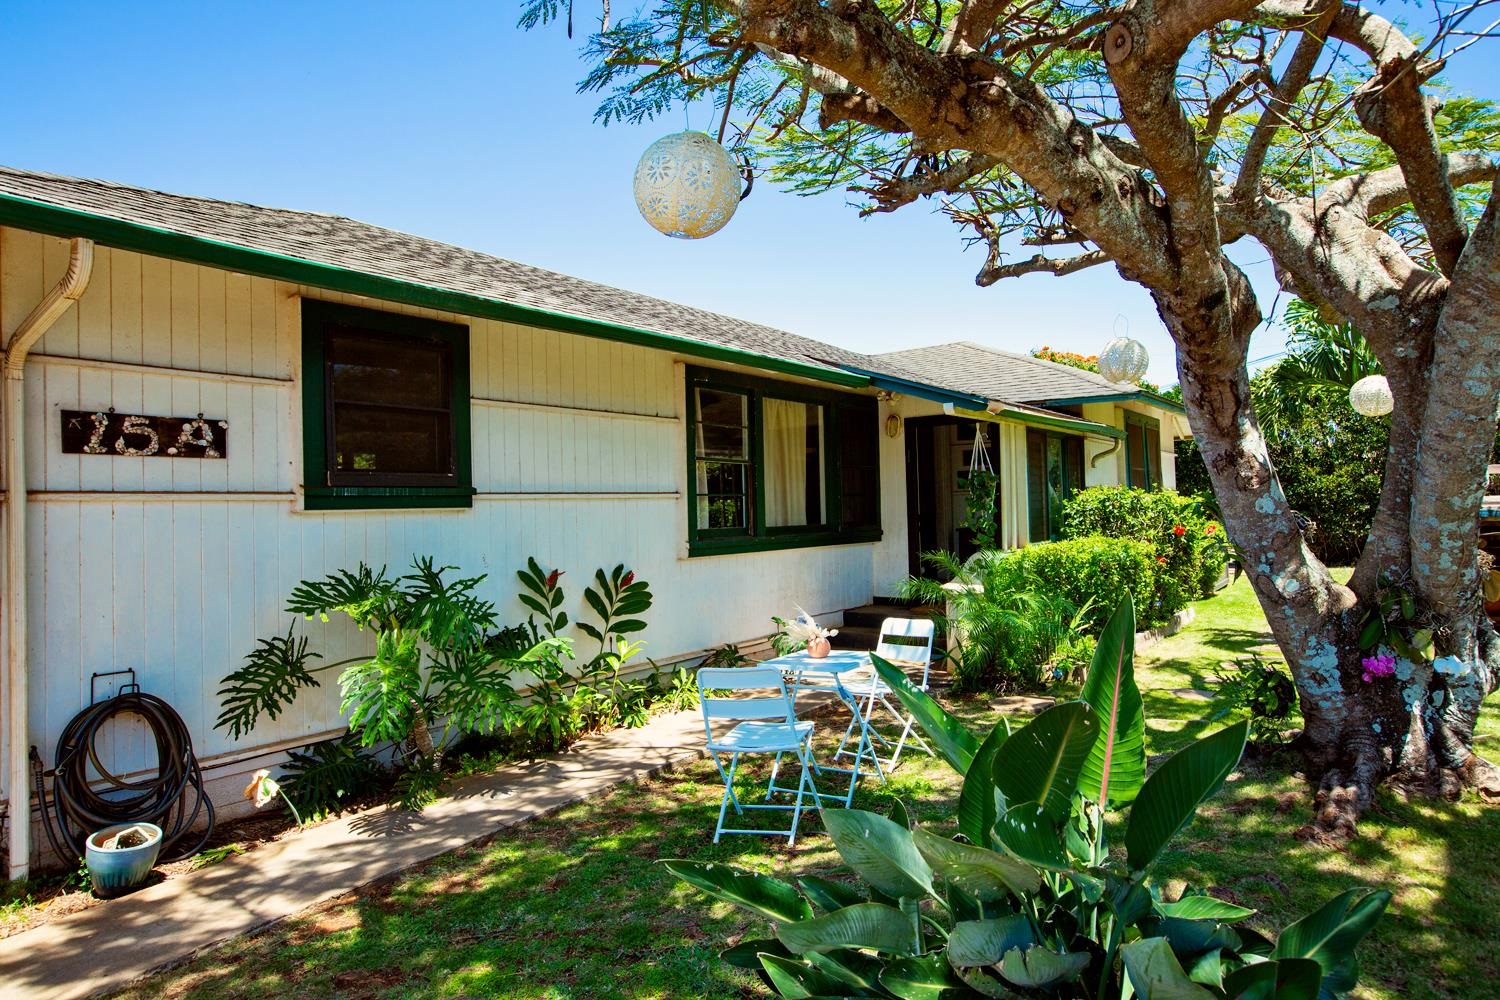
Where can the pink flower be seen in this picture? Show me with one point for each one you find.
(1210, 529)
(1382, 665)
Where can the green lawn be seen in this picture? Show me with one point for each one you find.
(574, 906)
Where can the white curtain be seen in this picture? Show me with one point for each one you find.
(1012, 475)
(784, 430)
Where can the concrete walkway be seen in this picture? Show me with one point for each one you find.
(106, 947)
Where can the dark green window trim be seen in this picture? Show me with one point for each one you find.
(841, 412)
(318, 494)
(1151, 458)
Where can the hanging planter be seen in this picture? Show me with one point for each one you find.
(981, 492)
(687, 185)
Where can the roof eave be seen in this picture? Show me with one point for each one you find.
(55, 220)
(1139, 396)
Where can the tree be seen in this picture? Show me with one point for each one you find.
(1151, 135)
(1322, 450)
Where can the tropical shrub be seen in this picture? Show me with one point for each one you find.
(1189, 547)
(431, 660)
(1028, 898)
(1094, 572)
(1002, 628)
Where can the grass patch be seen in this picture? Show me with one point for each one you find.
(574, 906)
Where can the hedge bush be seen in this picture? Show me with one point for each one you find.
(1098, 570)
(1190, 548)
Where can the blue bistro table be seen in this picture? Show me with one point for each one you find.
(826, 673)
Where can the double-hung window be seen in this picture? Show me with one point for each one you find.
(778, 465)
(385, 405)
(1142, 451)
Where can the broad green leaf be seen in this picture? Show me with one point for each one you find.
(762, 894)
(977, 808)
(1204, 908)
(856, 970)
(948, 735)
(797, 979)
(925, 978)
(1116, 765)
(1193, 937)
(827, 894)
(984, 874)
(1036, 966)
(900, 814)
(1028, 833)
(982, 982)
(1330, 934)
(1041, 761)
(1155, 974)
(865, 925)
(973, 943)
(1170, 797)
(746, 954)
(1281, 979)
(880, 852)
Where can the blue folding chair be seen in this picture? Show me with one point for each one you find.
(766, 723)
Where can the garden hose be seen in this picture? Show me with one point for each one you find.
(172, 798)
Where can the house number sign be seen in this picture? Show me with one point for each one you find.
(105, 432)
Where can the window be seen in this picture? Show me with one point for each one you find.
(1054, 472)
(385, 408)
(1142, 451)
(776, 465)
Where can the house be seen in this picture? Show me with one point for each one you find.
(208, 401)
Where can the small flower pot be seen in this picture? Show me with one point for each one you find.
(819, 648)
(116, 870)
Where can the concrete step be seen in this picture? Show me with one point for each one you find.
(871, 615)
(857, 637)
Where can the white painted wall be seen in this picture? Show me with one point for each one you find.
(175, 567)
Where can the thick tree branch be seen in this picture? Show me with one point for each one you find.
(1382, 190)
(1040, 265)
(854, 106)
(1392, 107)
(1277, 113)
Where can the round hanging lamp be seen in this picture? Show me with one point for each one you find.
(1124, 360)
(1371, 396)
(687, 185)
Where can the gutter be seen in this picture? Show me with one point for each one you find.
(921, 390)
(54, 220)
(56, 302)
(1139, 396)
(997, 412)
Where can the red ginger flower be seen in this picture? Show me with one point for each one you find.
(627, 579)
(552, 578)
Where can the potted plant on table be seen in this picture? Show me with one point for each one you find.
(803, 632)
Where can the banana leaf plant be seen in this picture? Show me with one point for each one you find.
(1046, 889)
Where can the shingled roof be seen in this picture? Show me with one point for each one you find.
(353, 246)
(987, 371)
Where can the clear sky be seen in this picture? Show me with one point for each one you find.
(447, 121)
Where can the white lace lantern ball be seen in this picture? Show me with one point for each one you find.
(1124, 360)
(687, 185)
(1371, 396)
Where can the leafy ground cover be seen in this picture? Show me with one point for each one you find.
(574, 906)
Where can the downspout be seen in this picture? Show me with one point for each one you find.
(63, 294)
(1114, 446)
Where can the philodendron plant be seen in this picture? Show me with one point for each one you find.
(1033, 897)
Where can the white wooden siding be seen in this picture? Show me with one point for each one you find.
(176, 567)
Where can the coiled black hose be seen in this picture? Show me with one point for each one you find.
(87, 796)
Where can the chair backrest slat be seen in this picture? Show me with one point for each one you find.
(918, 633)
(772, 702)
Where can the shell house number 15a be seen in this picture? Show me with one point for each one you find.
(105, 432)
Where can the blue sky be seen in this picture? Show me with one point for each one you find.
(445, 120)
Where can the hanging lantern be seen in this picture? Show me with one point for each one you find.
(1124, 360)
(687, 185)
(1371, 396)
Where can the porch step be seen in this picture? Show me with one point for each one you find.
(871, 615)
(860, 637)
